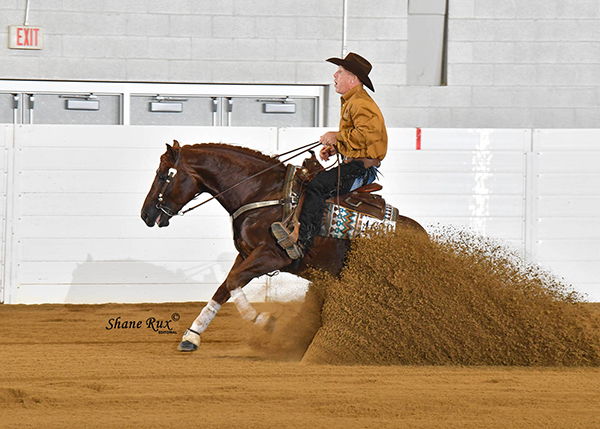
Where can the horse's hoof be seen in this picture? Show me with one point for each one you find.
(270, 325)
(266, 321)
(189, 342)
(186, 346)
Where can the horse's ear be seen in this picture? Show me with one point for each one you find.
(173, 152)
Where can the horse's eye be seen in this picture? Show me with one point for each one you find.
(161, 177)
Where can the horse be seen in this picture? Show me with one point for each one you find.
(187, 171)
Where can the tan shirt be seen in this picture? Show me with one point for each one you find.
(362, 131)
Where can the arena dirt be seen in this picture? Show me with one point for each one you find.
(468, 352)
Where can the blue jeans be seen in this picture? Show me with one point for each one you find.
(370, 177)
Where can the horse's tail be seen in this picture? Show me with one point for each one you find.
(404, 223)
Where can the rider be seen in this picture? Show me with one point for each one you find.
(362, 142)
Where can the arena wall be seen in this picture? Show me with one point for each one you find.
(72, 197)
(508, 64)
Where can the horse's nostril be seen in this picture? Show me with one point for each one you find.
(144, 216)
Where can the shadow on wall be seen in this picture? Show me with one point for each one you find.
(129, 281)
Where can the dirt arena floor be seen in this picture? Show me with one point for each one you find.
(60, 367)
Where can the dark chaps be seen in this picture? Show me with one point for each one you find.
(322, 187)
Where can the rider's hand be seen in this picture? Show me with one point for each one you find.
(326, 152)
(329, 138)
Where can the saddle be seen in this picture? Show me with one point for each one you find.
(346, 216)
(361, 200)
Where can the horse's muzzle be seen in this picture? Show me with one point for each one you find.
(157, 218)
(146, 218)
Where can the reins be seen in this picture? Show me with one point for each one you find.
(302, 150)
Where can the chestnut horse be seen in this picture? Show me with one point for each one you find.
(188, 171)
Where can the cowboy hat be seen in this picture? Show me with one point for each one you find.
(357, 65)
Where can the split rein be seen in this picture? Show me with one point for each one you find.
(173, 171)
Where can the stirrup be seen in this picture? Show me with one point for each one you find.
(281, 233)
(294, 251)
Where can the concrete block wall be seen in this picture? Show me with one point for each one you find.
(533, 63)
(529, 64)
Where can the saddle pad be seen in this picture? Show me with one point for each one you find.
(342, 222)
(366, 203)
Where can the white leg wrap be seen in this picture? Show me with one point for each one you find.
(206, 316)
(243, 305)
(262, 319)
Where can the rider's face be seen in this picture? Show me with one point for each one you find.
(344, 80)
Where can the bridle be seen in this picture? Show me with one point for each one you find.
(167, 179)
(173, 171)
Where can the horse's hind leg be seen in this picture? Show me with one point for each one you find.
(261, 261)
(262, 320)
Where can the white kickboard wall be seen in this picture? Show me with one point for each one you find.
(72, 196)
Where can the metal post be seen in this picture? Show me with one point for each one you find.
(16, 102)
(31, 105)
(215, 109)
(26, 20)
(229, 108)
(345, 29)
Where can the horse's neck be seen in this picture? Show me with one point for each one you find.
(231, 174)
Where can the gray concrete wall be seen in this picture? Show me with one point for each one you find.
(514, 63)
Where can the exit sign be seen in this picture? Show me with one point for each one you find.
(25, 37)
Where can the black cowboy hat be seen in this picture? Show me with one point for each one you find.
(356, 64)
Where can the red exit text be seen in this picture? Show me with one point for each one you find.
(25, 37)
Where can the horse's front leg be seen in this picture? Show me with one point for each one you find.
(261, 260)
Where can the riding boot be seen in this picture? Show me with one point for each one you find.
(286, 239)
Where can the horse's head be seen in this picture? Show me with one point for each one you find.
(173, 187)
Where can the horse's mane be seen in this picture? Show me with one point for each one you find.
(238, 149)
